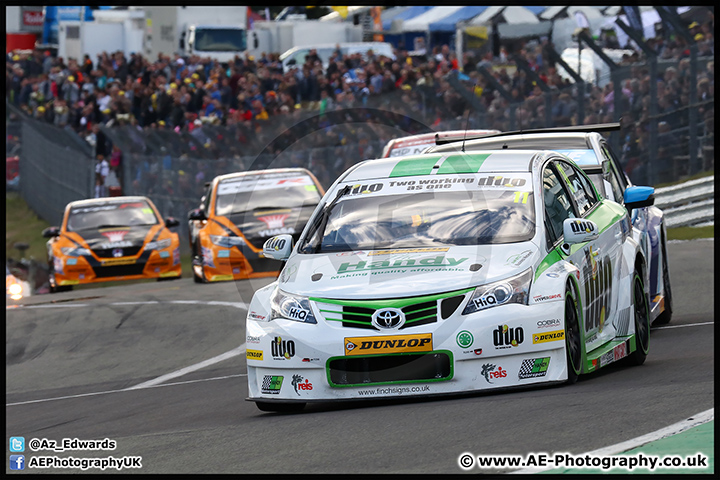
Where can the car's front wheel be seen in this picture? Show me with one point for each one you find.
(55, 288)
(197, 261)
(642, 322)
(280, 407)
(573, 342)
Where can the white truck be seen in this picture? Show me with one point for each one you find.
(286, 34)
(207, 31)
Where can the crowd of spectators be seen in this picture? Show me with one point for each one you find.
(260, 99)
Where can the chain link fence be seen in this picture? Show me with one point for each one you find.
(56, 168)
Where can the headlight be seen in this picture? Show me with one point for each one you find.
(74, 251)
(511, 290)
(15, 289)
(227, 242)
(158, 245)
(291, 307)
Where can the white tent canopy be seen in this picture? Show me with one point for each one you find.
(422, 22)
(512, 14)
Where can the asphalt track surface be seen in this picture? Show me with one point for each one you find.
(71, 365)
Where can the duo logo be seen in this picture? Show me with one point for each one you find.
(598, 290)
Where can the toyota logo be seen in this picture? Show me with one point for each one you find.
(388, 318)
(117, 252)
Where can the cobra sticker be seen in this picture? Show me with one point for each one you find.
(388, 344)
(548, 337)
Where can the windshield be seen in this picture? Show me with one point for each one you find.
(105, 215)
(466, 216)
(254, 192)
(219, 39)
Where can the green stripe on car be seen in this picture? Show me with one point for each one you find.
(463, 164)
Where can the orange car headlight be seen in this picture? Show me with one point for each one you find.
(75, 251)
(227, 242)
(158, 245)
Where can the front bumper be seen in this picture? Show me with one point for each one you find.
(89, 269)
(222, 264)
(289, 361)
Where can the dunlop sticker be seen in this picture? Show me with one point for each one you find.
(549, 336)
(254, 354)
(388, 344)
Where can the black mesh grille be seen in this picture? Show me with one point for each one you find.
(357, 317)
(410, 367)
(417, 314)
(108, 252)
(119, 270)
(449, 305)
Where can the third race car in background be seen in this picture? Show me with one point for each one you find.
(590, 150)
(239, 211)
(115, 238)
(415, 144)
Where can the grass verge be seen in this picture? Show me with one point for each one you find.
(690, 233)
(691, 177)
(23, 226)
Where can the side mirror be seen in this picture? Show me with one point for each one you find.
(51, 232)
(278, 247)
(578, 230)
(196, 214)
(606, 170)
(638, 197)
(171, 222)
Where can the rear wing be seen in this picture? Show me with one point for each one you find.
(599, 127)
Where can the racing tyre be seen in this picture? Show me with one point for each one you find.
(642, 322)
(573, 343)
(198, 278)
(55, 288)
(665, 317)
(280, 407)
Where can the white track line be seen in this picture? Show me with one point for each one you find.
(681, 326)
(183, 371)
(120, 391)
(665, 432)
(239, 305)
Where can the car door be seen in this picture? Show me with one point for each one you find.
(601, 258)
(558, 206)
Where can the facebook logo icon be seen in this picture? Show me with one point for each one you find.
(17, 462)
(17, 444)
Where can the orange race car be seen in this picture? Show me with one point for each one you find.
(239, 212)
(114, 238)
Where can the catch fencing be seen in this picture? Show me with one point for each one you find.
(56, 167)
(172, 167)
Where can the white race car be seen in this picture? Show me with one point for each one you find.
(445, 273)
